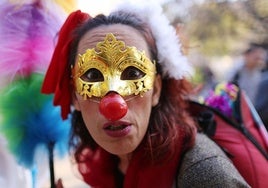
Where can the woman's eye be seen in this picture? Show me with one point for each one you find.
(132, 73)
(92, 75)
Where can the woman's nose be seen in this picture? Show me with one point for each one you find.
(113, 107)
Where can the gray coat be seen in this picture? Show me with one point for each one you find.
(205, 165)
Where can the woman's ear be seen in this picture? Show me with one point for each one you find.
(75, 102)
(157, 90)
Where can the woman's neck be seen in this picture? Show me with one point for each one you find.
(124, 162)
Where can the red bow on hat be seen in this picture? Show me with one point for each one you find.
(57, 78)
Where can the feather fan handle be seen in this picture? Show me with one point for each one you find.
(30, 121)
(57, 79)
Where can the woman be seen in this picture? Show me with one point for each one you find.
(125, 77)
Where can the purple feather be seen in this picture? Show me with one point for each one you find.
(27, 37)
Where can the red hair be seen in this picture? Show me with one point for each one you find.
(168, 116)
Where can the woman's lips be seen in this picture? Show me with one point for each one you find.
(117, 129)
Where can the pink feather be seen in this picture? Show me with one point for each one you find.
(27, 38)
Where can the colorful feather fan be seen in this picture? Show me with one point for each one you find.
(29, 121)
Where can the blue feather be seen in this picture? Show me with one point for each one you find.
(30, 121)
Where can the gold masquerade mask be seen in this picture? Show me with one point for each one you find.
(112, 66)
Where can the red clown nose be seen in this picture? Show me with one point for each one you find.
(113, 106)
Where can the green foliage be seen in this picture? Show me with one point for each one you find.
(198, 76)
(217, 27)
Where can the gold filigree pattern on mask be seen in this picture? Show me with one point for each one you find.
(113, 66)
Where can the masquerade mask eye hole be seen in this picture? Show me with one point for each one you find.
(92, 75)
(132, 73)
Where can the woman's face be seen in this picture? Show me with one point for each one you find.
(121, 136)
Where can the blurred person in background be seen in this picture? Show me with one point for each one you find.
(261, 100)
(247, 74)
